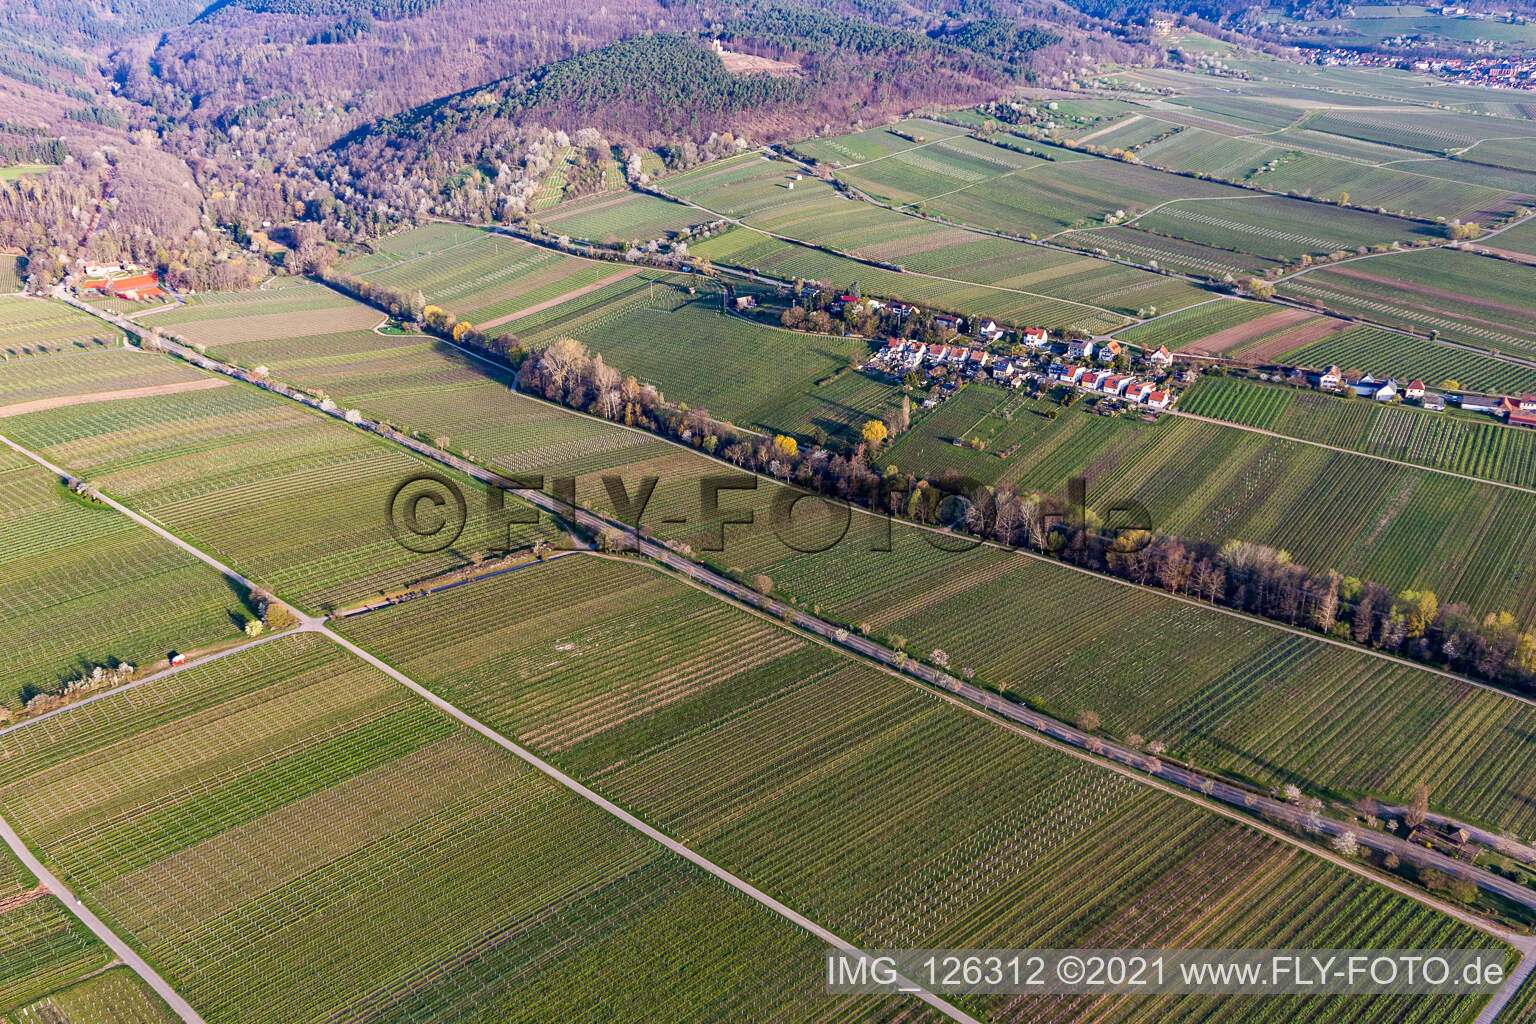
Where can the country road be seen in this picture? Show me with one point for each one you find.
(1194, 785)
(123, 951)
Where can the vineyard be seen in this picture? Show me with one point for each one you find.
(39, 327)
(1175, 254)
(1473, 447)
(289, 497)
(368, 857)
(773, 764)
(223, 318)
(1388, 353)
(489, 276)
(1181, 329)
(116, 996)
(628, 215)
(740, 370)
(36, 380)
(1472, 299)
(876, 143)
(81, 587)
(1278, 228)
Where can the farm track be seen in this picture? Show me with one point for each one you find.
(1191, 784)
(477, 472)
(121, 949)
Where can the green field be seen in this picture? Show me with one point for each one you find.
(1281, 229)
(627, 216)
(1477, 447)
(80, 585)
(43, 327)
(1463, 297)
(482, 276)
(769, 755)
(225, 317)
(291, 498)
(290, 835)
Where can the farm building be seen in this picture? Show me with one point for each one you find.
(1480, 403)
(1433, 403)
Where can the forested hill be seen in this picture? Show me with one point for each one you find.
(669, 92)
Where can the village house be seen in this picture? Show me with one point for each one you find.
(1481, 403)
(1080, 348)
(1093, 378)
(1159, 399)
(1107, 353)
(1037, 337)
(1139, 391)
(1414, 390)
(1433, 403)
(1067, 374)
(746, 301)
(1386, 392)
(902, 310)
(1160, 356)
(1330, 378)
(989, 331)
(1114, 385)
(945, 322)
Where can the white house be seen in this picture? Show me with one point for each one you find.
(1415, 389)
(989, 331)
(1160, 356)
(1139, 391)
(1037, 337)
(1114, 385)
(1330, 377)
(1080, 348)
(1159, 399)
(1108, 352)
(1386, 393)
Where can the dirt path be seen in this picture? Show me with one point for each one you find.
(540, 307)
(59, 401)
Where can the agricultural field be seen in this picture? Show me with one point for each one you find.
(369, 857)
(1163, 252)
(484, 277)
(632, 216)
(290, 497)
(787, 261)
(42, 945)
(81, 586)
(742, 371)
(1181, 329)
(116, 996)
(817, 215)
(11, 272)
(227, 317)
(760, 750)
(46, 327)
(1463, 297)
(1476, 447)
(1385, 352)
(877, 143)
(1278, 228)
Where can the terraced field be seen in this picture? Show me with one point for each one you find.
(1461, 445)
(291, 498)
(1462, 297)
(45, 327)
(648, 685)
(371, 859)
